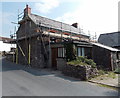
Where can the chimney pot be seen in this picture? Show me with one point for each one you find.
(75, 25)
(27, 10)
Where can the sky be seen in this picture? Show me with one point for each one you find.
(100, 16)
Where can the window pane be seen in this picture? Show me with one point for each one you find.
(83, 52)
(58, 52)
(79, 51)
(61, 52)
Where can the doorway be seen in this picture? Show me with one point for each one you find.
(54, 57)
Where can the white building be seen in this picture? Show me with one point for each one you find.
(5, 45)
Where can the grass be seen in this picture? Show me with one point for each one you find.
(108, 74)
(111, 75)
(102, 85)
(104, 75)
(117, 71)
(101, 72)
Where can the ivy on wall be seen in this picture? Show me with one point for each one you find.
(71, 51)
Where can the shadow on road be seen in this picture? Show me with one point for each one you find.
(72, 79)
(9, 66)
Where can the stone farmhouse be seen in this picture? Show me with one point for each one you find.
(41, 41)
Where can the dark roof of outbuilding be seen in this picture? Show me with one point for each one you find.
(46, 22)
(110, 39)
(104, 46)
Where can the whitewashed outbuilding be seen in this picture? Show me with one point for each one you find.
(5, 44)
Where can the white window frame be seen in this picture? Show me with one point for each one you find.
(61, 52)
(81, 51)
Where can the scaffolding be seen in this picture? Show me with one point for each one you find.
(15, 40)
(50, 33)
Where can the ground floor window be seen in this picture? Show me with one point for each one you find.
(81, 51)
(61, 52)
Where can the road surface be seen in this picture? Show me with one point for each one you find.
(18, 80)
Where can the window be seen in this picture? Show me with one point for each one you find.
(81, 51)
(61, 52)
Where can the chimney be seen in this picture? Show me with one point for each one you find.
(27, 10)
(75, 25)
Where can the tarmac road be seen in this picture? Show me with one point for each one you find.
(20, 81)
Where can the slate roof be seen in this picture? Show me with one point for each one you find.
(104, 46)
(46, 22)
(110, 39)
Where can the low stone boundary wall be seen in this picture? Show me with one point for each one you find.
(84, 72)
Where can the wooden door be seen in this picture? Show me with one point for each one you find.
(54, 57)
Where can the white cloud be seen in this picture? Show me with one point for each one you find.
(45, 6)
(100, 16)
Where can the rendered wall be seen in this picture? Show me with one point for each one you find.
(6, 47)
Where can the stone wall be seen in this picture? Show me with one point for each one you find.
(61, 62)
(38, 57)
(83, 72)
(37, 53)
(26, 29)
(79, 71)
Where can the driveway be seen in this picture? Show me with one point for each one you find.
(18, 80)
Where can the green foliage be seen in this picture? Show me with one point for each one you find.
(83, 61)
(90, 62)
(81, 58)
(87, 61)
(74, 50)
(111, 75)
(71, 56)
(117, 71)
(101, 72)
(76, 62)
(70, 51)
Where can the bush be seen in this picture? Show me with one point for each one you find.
(76, 62)
(93, 64)
(83, 61)
(90, 62)
(81, 58)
